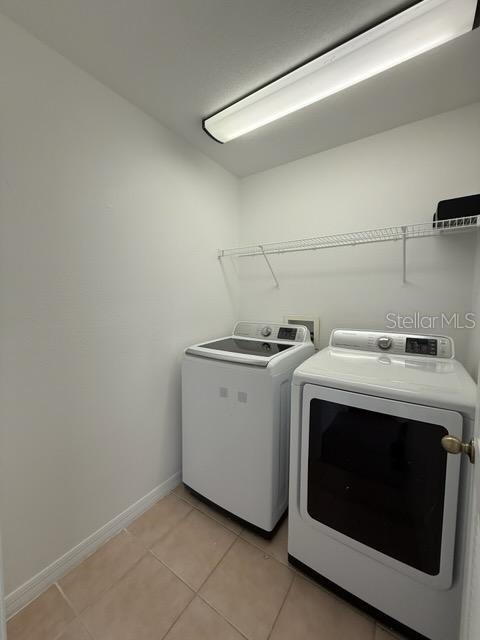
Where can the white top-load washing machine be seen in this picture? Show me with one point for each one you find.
(236, 417)
(377, 507)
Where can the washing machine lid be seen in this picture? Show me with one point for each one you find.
(241, 350)
(436, 382)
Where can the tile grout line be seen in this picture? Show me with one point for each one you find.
(172, 529)
(65, 597)
(306, 578)
(301, 575)
(182, 579)
(281, 606)
(110, 588)
(216, 565)
(212, 517)
(195, 508)
(194, 502)
(237, 535)
(114, 584)
(183, 582)
(87, 631)
(77, 615)
(56, 584)
(265, 552)
(147, 551)
(250, 543)
(196, 592)
(171, 570)
(179, 615)
(199, 595)
(209, 604)
(149, 548)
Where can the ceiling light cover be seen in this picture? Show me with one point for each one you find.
(420, 28)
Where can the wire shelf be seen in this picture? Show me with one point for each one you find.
(369, 236)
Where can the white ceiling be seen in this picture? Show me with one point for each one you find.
(181, 60)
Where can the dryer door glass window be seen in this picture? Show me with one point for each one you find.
(379, 479)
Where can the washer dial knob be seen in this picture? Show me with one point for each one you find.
(266, 331)
(384, 343)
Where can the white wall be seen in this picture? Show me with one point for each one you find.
(391, 178)
(109, 231)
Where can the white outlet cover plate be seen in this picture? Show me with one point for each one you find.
(308, 321)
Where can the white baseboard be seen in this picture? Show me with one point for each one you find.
(28, 591)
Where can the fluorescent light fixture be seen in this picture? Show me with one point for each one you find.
(423, 26)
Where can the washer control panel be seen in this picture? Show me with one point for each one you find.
(396, 343)
(297, 333)
(422, 346)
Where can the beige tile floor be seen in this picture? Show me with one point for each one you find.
(183, 571)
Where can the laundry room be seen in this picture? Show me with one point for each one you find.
(240, 320)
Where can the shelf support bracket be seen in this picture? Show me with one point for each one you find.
(269, 265)
(404, 251)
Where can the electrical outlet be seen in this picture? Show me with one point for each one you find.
(312, 324)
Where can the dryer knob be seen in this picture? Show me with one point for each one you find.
(266, 331)
(384, 343)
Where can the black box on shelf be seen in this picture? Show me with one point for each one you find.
(451, 213)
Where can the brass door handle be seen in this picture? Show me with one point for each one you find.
(451, 444)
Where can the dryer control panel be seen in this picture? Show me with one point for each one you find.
(396, 343)
(272, 331)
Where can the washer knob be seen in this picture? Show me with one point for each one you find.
(266, 331)
(384, 343)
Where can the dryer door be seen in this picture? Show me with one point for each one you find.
(375, 476)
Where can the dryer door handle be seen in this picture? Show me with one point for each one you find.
(454, 445)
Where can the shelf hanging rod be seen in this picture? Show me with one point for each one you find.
(269, 266)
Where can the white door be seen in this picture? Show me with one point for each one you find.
(471, 609)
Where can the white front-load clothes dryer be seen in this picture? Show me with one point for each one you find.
(236, 417)
(377, 506)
